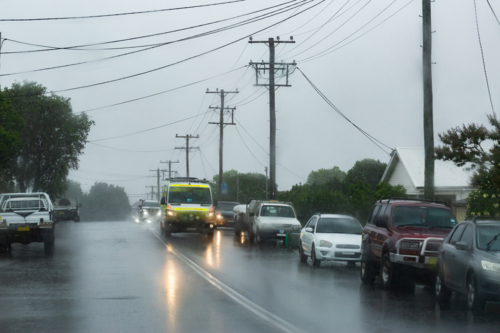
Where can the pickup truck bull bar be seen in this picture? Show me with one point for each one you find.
(425, 256)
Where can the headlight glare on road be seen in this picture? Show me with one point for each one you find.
(490, 266)
(324, 243)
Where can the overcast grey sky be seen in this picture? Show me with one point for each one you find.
(375, 80)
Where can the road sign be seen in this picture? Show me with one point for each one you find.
(224, 188)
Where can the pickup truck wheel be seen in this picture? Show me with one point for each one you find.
(48, 246)
(303, 257)
(367, 271)
(316, 262)
(387, 272)
(251, 235)
(167, 232)
(258, 237)
(475, 301)
(237, 227)
(443, 294)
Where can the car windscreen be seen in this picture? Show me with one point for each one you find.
(189, 195)
(330, 225)
(152, 204)
(277, 211)
(226, 206)
(488, 237)
(422, 216)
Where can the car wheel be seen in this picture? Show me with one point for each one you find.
(258, 237)
(303, 257)
(367, 271)
(387, 272)
(168, 233)
(475, 301)
(443, 294)
(315, 260)
(251, 235)
(237, 227)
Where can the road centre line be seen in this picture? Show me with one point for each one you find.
(249, 305)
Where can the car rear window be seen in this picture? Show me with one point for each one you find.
(338, 226)
(422, 216)
(277, 211)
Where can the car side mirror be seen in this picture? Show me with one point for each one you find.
(381, 223)
(162, 201)
(309, 229)
(461, 246)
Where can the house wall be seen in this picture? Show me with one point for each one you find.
(401, 177)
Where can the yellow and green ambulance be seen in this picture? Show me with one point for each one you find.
(188, 207)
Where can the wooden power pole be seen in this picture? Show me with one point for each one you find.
(187, 148)
(428, 109)
(221, 124)
(272, 67)
(170, 167)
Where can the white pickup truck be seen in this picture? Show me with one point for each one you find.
(26, 218)
(265, 219)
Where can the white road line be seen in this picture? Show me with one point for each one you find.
(251, 306)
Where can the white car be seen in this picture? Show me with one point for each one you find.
(331, 237)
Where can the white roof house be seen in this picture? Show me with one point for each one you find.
(406, 167)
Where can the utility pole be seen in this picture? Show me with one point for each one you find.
(428, 104)
(272, 67)
(187, 148)
(221, 124)
(152, 190)
(158, 181)
(237, 187)
(170, 167)
(265, 168)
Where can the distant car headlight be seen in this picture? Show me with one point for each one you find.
(324, 243)
(159, 213)
(296, 227)
(145, 212)
(490, 266)
(210, 215)
(219, 216)
(410, 247)
(171, 213)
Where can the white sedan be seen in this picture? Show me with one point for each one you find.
(331, 237)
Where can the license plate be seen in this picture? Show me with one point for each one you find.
(23, 229)
(61, 213)
(433, 261)
(282, 231)
(348, 253)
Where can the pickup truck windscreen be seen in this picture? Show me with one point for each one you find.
(151, 204)
(277, 211)
(189, 195)
(338, 226)
(422, 216)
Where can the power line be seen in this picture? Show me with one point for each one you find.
(146, 130)
(207, 161)
(251, 136)
(319, 55)
(370, 137)
(116, 14)
(132, 151)
(161, 92)
(293, 173)
(248, 148)
(101, 180)
(244, 22)
(489, 4)
(174, 63)
(482, 57)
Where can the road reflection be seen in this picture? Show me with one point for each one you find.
(170, 278)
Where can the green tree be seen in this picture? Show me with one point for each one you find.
(105, 202)
(467, 144)
(367, 170)
(11, 123)
(53, 136)
(73, 190)
(322, 176)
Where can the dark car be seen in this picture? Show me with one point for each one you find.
(401, 239)
(469, 262)
(224, 214)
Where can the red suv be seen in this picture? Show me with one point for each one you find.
(401, 240)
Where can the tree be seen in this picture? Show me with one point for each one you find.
(105, 203)
(73, 190)
(367, 170)
(322, 176)
(11, 123)
(53, 136)
(466, 144)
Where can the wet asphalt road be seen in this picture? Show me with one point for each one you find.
(124, 277)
